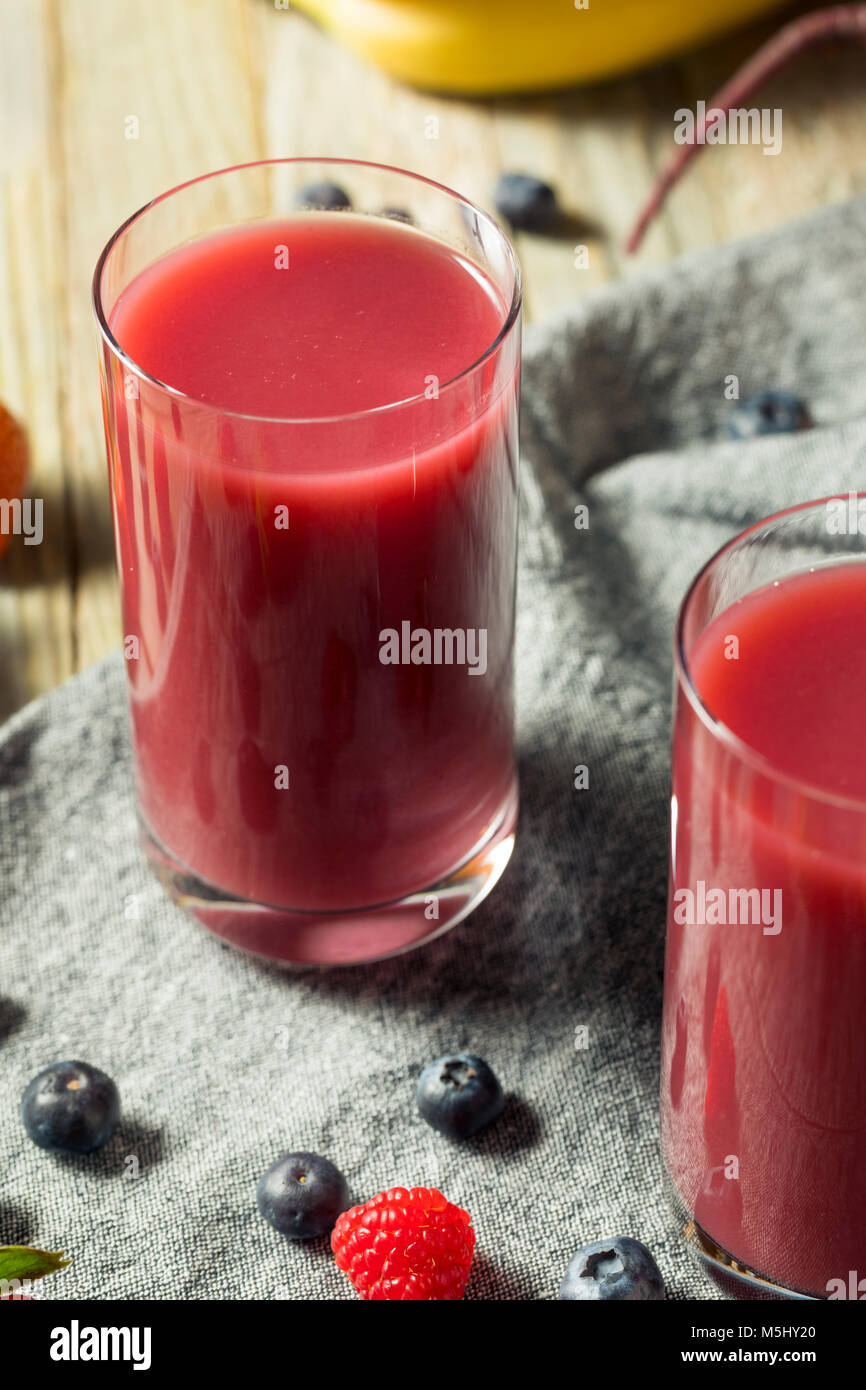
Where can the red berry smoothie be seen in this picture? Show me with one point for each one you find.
(764, 1046)
(278, 757)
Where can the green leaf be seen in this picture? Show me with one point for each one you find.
(25, 1262)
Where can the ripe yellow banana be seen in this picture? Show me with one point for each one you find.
(486, 46)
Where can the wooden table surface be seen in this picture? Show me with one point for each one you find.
(219, 82)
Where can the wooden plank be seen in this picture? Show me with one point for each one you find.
(821, 98)
(734, 190)
(591, 145)
(322, 100)
(178, 69)
(36, 633)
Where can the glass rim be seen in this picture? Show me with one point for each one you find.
(175, 393)
(717, 727)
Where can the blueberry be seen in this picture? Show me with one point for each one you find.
(70, 1107)
(621, 1268)
(324, 196)
(768, 412)
(528, 203)
(458, 1095)
(302, 1194)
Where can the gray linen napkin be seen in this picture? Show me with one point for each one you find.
(224, 1063)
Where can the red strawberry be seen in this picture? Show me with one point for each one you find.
(405, 1245)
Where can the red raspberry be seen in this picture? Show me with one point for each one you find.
(405, 1245)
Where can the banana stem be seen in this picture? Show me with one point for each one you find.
(840, 22)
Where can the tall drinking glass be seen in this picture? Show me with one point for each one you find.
(311, 423)
(763, 1087)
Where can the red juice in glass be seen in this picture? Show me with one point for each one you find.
(763, 1045)
(316, 539)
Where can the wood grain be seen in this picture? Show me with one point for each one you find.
(216, 82)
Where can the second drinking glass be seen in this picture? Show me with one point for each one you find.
(763, 1104)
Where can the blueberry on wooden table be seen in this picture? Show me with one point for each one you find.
(768, 412)
(617, 1269)
(458, 1095)
(302, 1194)
(70, 1107)
(324, 197)
(527, 202)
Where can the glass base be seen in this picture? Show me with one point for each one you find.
(734, 1279)
(340, 938)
